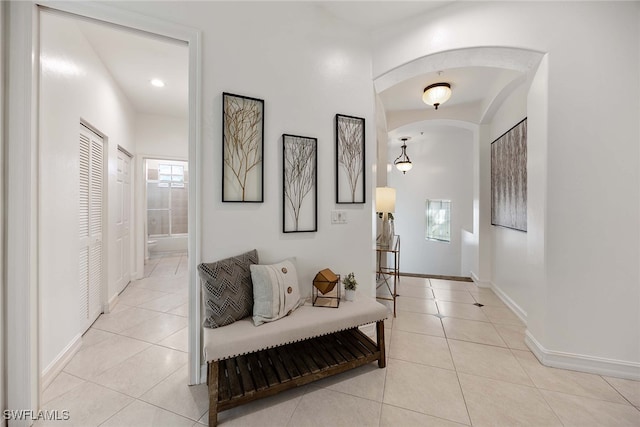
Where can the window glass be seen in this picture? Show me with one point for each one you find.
(438, 213)
(167, 197)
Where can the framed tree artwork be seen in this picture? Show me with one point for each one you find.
(350, 185)
(300, 189)
(242, 148)
(509, 178)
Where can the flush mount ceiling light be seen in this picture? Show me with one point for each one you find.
(157, 83)
(436, 94)
(403, 163)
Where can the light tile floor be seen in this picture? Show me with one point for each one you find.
(470, 367)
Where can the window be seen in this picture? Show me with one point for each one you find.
(438, 220)
(167, 201)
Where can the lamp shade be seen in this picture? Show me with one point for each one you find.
(436, 94)
(385, 199)
(404, 166)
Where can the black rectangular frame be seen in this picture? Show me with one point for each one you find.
(354, 197)
(225, 195)
(285, 137)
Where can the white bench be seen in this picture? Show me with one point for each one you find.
(245, 362)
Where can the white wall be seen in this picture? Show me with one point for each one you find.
(586, 307)
(307, 66)
(509, 254)
(442, 169)
(74, 85)
(162, 136)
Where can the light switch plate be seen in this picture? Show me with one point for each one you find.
(338, 217)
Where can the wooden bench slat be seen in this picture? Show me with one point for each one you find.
(283, 375)
(245, 375)
(305, 356)
(337, 348)
(331, 350)
(317, 358)
(297, 359)
(287, 361)
(319, 349)
(234, 381)
(224, 392)
(267, 369)
(364, 340)
(256, 372)
(348, 341)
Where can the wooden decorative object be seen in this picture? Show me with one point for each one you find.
(326, 289)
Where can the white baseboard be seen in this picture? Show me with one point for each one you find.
(517, 310)
(582, 363)
(56, 366)
(479, 283)
(113, 302)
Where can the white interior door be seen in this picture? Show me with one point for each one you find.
(123, 221)
(91, 226)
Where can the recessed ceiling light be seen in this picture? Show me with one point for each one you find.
(157, 82)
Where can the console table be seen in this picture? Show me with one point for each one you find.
(388, 273)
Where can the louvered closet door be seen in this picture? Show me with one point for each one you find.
(91, 226)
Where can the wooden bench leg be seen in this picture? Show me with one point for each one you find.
(213, 368)
(382, 361)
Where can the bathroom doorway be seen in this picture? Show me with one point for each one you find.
(167, 206)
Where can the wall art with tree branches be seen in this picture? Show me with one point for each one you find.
(299, 178)
(350, 185)
(242, 148)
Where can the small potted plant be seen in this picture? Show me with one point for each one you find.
(350, 285)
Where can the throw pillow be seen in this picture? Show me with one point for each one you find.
(275, 291)
(227, 290)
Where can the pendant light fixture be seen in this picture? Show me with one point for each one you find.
(436, 94)
(403, 163)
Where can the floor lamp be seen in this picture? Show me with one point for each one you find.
(386, 205)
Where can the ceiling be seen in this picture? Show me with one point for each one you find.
(469, 85)
(134, 58)
(372, 15)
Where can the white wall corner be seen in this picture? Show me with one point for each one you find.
(55, 367)
(517, 310)
(479, 283)
(582, 363)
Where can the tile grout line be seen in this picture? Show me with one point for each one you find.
(618, 391)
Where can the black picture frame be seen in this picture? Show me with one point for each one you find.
(509, 178)
(299, 184)
(350, 159)
(242, 149)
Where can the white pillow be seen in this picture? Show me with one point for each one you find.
(275, 291)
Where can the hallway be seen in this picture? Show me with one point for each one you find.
(450, 363)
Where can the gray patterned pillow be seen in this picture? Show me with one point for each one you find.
(227, 289)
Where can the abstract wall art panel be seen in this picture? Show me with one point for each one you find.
(242, 148)
(350, 185)
(300, 189)
(509, 178)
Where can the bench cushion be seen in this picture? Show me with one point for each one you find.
(243, 337)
